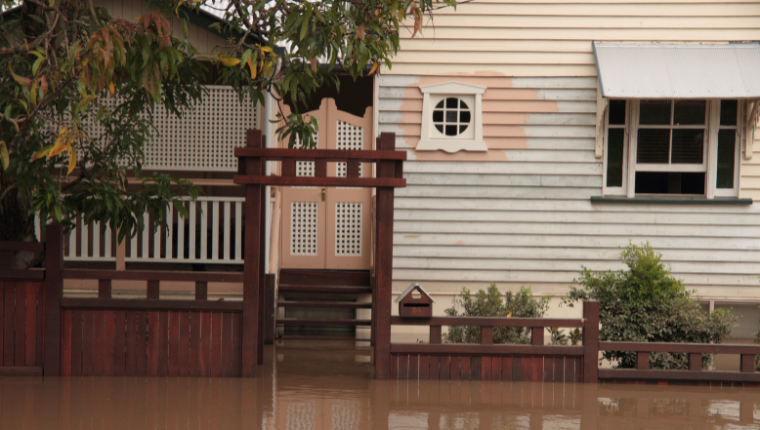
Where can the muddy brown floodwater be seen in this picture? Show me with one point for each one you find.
(328, 386)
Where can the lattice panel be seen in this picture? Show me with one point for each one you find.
(203, 139)
(348, 229)
(305, 168)
(303, 228)
(349, 137)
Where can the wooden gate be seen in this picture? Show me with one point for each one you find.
(329, 227)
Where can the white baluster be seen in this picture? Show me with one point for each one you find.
(180, 236)
(204, 230)
(85, 239)
(192, 231)
(133, 247)
(215, 232)
(37, 227)
(156, 239)
(73, 242)
(227, 221)
(238, 230)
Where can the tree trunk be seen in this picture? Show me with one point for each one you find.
(17, 225)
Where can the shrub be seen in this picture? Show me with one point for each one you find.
(646, 304)
(490, 304)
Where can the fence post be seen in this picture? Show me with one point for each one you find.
(591, 342)
(264, 201)
(53, 293)
(252, 264)
(383, 261)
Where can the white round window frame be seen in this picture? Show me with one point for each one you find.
(472, 138)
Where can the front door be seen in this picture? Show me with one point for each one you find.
(329, 228)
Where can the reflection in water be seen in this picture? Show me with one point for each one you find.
(325, 386)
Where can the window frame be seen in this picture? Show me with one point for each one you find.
(430, 141)
(710, 156)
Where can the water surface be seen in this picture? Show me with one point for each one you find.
(321, 385)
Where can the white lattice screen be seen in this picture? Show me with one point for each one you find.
(348, 228)
(204, 138)
(303, 228)
(349, 137)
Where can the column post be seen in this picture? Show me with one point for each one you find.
(53, 294)
(591, 342)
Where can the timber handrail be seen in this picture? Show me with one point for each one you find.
(701, 348)
(488, 322)
(332, 155)
(153, 275)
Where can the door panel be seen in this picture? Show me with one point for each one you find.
(329, 228)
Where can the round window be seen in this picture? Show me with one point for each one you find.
(451, 116)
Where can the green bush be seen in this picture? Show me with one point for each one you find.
(490, 304)
(646, 304)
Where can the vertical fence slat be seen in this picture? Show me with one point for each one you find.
(20, 347)
(133, 248)
(37, 227)
(66, 343)
(156, 240)
(85, 245)
(204, 230)
(73, 241)
(107, 241)
(76, 343)
(163, 343)
(216, 344)
(9, 323)
(120, 343)
(215, 231)
(180, 236)
(238, 231)
(109, 350)
(227, 240)
(192, 253)
(31, 324)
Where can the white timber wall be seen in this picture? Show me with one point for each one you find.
(520, 214)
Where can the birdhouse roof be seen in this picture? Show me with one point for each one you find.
(409, 290)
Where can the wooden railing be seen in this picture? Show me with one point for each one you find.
(487, 361)
(151, 336)
(642, 372)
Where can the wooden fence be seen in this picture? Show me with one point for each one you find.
(486, 361)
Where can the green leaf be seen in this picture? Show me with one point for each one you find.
(36, 18)
(305, 23)
(185, 31)
(4, 157)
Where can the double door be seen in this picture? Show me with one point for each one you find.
(329, 227)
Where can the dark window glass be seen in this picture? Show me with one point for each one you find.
(728, 110)
(464, 116)
(653, 146)
(617, 112)
(438, 116)
(670, 183)
(439, 127)
(439, 105)
(615, 144)
(689, 112)
(654, 112)
(451, 130)
(462, 104)
(726, 157)
(451, 103)
(451, 116)
(687, 146)
(462, 128)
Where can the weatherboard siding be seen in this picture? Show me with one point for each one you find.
(521, 214)
(553, 38)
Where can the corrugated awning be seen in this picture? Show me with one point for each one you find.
(686, 71)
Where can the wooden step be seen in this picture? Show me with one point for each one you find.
(313, 321)
(324, 305)
(296, 288)
(356, 278)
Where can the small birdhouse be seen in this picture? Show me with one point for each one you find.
(414, 302)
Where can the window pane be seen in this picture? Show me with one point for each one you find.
(689, 112)
(438, 116)
(439, 127)
(451, 116)
(617, 112)
(462, 104)
(462, 128)
(670, 183)
(654, 112)
(464, 117)
(439, 105)
(451, 130)
(653, 146)
(728, 110)
(615, 157)
(687, 146)
(726, 157)
(451, 103)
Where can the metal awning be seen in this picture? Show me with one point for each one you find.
(635, 70)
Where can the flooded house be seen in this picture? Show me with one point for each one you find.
(541, 137)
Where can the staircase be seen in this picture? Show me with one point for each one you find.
(324, 304)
